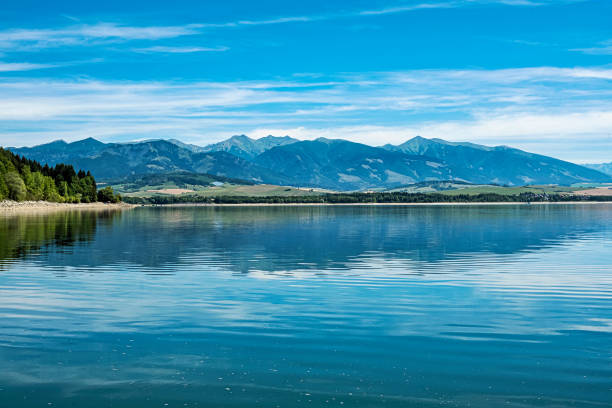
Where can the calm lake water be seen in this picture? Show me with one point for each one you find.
(308, 307)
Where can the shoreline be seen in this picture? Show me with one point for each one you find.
(374, 204)
(12, 207)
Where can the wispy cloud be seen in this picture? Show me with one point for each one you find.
(71, 18)
(530, 43)
(404, 9)
(581, 137)
(280, 20)
(23, 66)
(105, 32)
(27, 66)
(522, 2)
(514, 129)
(507, 106)
(88, 34)
(603, 48)
(179, 50)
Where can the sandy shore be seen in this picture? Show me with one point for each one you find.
(10, 207)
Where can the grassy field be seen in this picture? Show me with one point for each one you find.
(263, 190)
(204, 185)
(257, 190)
(430, 187)
(179, 184)
(512, 190)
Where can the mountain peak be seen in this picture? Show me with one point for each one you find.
(277, 138)
(242, 138)
(328, 141)
(465, 144)
(57, 142)
(420, 140)
(88, 142)
(246, 147)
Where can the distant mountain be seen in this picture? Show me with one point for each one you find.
(343, 165)
(118, 160)
(603, 167)
(61, 152)
(192, 147)
(333, 164)
(500, 165)
(247, 148)
(181, 179)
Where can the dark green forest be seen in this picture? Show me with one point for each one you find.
(23, 179)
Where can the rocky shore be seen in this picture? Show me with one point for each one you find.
(8, 206)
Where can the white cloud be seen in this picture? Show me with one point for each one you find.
(596, 50)
(27, 66)
(179, 50)
(603, 48)
(105, 32)
(524, 126)
(280, 20)
(499, 106)
(25, 39)
(459, 3)
(22, 66)
(578, 137)
(509, 129)
(404, 9)
(510, 75)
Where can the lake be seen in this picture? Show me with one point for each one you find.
(353, 306)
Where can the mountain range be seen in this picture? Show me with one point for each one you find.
(603, 167)
(326, 163)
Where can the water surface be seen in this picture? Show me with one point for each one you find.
(461, 306)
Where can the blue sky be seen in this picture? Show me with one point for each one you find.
(534, 74)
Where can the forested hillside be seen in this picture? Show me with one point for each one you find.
(24, 179)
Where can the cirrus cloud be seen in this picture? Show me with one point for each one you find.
(526, 106)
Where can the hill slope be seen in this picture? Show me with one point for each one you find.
(343, 165)
(113, 161)
(332, 164)
(22, 178)
(501, 165)
(61, 152)
(603, 167)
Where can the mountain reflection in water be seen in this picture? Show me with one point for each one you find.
(354, 306)
(286, 238)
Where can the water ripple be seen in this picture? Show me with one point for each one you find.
(309, 306)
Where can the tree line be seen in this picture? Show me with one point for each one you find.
(23, 179)
(366, 198)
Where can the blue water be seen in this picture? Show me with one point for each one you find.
(462, 306)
